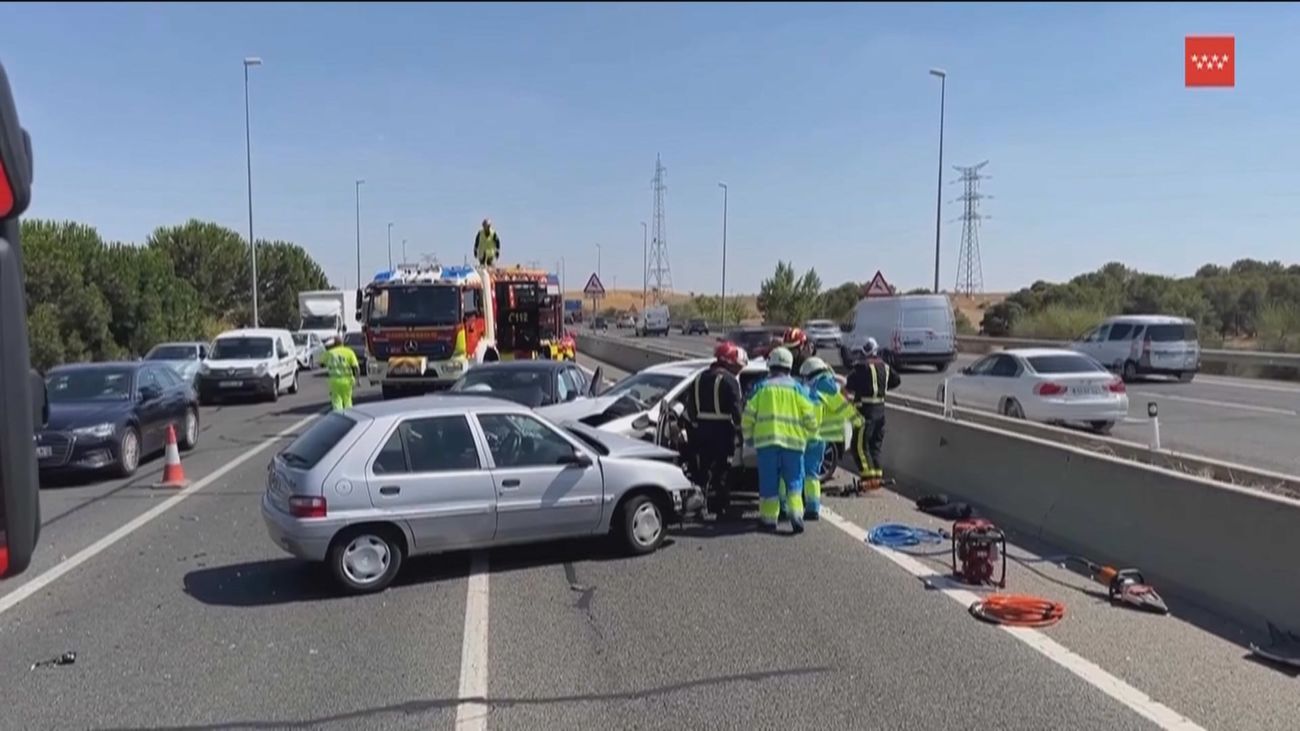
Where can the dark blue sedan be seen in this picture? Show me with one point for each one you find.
(107, 416)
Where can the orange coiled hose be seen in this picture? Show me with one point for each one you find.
(1018, 610)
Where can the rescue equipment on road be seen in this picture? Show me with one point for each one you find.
(1126, 586)
(173, 473)
(1018, 610)
(897, 535)
(977, 546)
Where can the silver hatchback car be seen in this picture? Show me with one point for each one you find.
(363, 489)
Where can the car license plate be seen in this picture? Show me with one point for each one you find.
(43, 452)
(231, 384)
(1086, 390)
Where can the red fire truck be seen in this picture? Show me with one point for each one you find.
(425, 325)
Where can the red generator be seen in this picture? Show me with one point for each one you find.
(977, 547)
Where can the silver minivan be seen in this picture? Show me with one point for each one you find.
(362, 489)
(1138, 345)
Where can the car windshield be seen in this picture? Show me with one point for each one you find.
(173, 352)
(1171, 333)
(89, 384)
(242, 348)
(431, 305)
(1064, 363)
(527, 386)
(646, 388)
(299, 338)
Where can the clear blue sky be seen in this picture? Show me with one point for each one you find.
(821, 118)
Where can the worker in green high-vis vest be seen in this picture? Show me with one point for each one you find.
(343, 369)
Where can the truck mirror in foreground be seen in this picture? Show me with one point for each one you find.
(20, 521)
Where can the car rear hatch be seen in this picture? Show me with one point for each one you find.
(1170, 347)
(296, 474)
(1080, 387)
(924, 331)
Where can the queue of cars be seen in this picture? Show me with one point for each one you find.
(109, 417)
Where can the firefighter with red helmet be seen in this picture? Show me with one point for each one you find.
(713, 409)
(796, 341)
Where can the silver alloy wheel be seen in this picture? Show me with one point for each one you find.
(1013, 410)
(366, 559)
(191, 427)
(130, 451)
(647, 524)
(829, 463)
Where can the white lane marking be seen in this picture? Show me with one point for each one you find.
(10, 600)
(472, 710)
(1242, 383)
(1218, 404)
(1091, 673)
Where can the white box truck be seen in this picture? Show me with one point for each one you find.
(327, 312)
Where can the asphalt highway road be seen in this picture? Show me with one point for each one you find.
(184, 615)
(1252, 422)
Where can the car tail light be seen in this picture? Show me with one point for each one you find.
(1117, 386)
(306, 506)
(1049, 389)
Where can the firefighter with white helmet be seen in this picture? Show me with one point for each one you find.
(868, 383)
(833, 410)
(779, 419)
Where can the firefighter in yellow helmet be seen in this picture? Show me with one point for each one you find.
(778, 420)
(487, 245)
(343, 369)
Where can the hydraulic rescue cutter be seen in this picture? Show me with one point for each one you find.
(1126, 586)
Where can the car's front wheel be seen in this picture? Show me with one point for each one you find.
(365, 560)
(293, 386)
(642, 525)
(190, 430)
(128, 452)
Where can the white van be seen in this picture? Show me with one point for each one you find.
(916, 329)
(1136, 345)
(252, 362)
(654, 321)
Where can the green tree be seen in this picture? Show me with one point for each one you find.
(283, 270)
(215, 261)
(65, 305)
(785, 300)
(837, 304)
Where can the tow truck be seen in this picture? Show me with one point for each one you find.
(425, 325)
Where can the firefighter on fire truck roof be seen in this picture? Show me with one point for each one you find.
(487, 245)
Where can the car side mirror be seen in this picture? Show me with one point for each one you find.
(679, 408)
(149, 393)
(642, 422)
(571, 396)
(576, 459)
(966, 371)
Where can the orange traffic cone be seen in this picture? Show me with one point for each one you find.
(173, 473)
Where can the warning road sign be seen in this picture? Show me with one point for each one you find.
(878, 287)
(594, 288)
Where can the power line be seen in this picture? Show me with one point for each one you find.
(970, 270)
(661, 275)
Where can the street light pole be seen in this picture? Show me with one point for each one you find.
(723, 313)
(359, 182)
(938, 195)
(248, 154)
(645, 269)
(403, 251)
(390, 244)
(598, 261)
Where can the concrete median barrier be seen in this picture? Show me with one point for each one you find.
(1229, 549)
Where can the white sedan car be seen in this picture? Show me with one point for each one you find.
(1041, 384)
(633, 407)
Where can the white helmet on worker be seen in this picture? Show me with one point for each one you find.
(780, 358)
(813, 366)
(869, 347)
